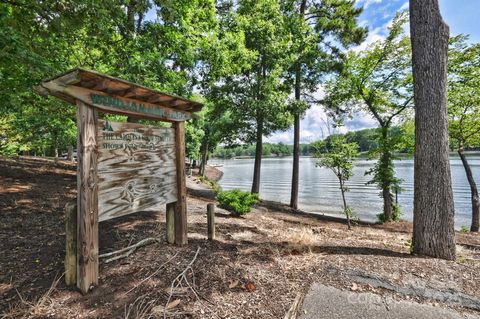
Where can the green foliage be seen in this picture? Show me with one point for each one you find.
(317, 31)
(194, 134)
(40, 39)
(339, 158)
(404, 134)
(377, 81)
(350, 214)
(237, 201)
(366, 139)
(410, 246)
(464, 229)
(254, 95)
(213, 184)
(464, 92)
(397, 214)
(383, 171)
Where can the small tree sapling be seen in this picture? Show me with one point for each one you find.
(338, 158)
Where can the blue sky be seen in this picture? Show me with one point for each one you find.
(460, 15)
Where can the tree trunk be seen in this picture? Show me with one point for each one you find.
(296, 163)
(131, 10)
(433, 218)
(385, 162)
(258, 157)
(296, 129)
(70, 153)
(203, 163)
(344, 203)
(132, 119)
(473, 192)
(387, 204)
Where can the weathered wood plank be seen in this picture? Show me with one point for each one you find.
(211, 221)
(71, 243)
(87, 198)
(170, 223)
(70, 153)
(136, 168)
(181, 206)
(115, 104)
(70, 78)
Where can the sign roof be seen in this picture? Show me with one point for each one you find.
(67, 85)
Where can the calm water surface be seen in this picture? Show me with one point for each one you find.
(319, 192)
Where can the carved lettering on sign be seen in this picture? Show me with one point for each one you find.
(136, 168)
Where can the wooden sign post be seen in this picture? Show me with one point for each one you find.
(87, 197)
(123, 168)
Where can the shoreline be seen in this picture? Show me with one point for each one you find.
(362, 156)
(318, 191)
(214, 174)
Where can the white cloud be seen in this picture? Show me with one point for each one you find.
(316, 126)
(367, 3)
(313, 126)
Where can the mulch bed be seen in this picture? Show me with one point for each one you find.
(255, 268)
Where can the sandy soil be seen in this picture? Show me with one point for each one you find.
(255, 268)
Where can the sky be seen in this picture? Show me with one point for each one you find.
(460, 15)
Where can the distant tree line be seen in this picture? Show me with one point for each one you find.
(269, 149)
(366, 139)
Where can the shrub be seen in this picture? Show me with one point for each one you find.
(409, 244)
(464, 229)
(352, 215)
(395, 216)
(236, 201)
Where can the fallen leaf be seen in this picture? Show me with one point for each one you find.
(173, 304)
(233, 284)
(250, 286)
(161, 309)
(158, 310)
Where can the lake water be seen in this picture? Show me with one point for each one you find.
(319, 191)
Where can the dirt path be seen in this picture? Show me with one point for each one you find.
(254, 269)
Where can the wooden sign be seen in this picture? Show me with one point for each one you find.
(122, 167)
(136, 168)
(117, 104)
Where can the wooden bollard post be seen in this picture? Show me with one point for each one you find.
(211, 221)
(70, 153)
(71, 244)
(170, 223)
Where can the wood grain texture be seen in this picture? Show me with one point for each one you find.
(116, 104)
(170, 223)
(87, 198)
(211, 221)
(71, 243)
(181, 207)
(112, 85)
(136, 168)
